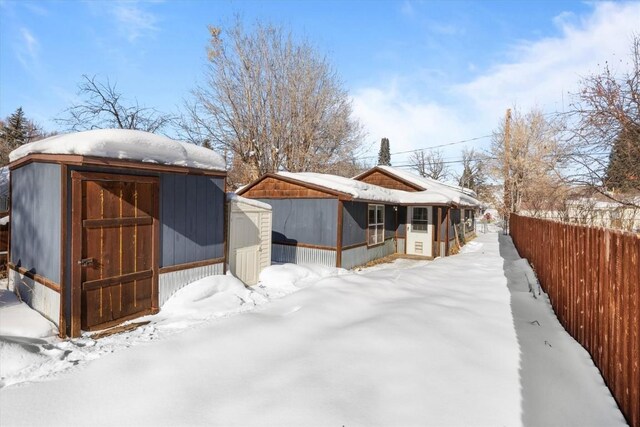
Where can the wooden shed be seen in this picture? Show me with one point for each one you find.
(107, 224)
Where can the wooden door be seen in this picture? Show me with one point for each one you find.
(114, 249)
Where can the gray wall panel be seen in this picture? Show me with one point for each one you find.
(310, 221)
(354, 223)
(35, 219)
(362, 254)
(389, 221)
(402, 221)
(192, 216)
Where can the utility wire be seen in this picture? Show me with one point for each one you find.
(430, 148)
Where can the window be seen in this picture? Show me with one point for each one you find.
(376, 224)
(420, 219)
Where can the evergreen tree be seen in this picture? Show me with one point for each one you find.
(15, 131)
(623, 170)
(384, 156)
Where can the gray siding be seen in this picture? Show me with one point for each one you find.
(402, 221)
(192, 218)
(363, 254)
(389, 222)
(354, 223)
(35, 219)
(310, 221)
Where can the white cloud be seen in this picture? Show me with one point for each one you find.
(27, 49)
(540, 73)
(543, 71)
(133, 22)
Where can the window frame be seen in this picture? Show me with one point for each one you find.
(421, 222)
(378, 225)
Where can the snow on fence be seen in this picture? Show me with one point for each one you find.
(592, 277)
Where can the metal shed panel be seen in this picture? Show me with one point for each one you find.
(192, 217)
(309, 221)
(35, 219)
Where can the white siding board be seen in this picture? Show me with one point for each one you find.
(42, 299)
(170, 283)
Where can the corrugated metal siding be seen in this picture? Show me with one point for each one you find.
(42, 299)
(35, 219)
(169, 283)
(354, 223)
(362, 254)
(299, 255)
(401, 243)
(310, 221)
(192, 218)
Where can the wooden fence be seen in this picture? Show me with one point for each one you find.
(592, 277)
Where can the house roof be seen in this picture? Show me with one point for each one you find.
(416, 180)
(125, 144)
(359, 190)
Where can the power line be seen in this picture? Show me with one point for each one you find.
(430, 148)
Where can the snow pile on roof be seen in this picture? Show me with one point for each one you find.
(364, 191)
(125, 144)
(4, 181)
(4, 220)
(234, 198)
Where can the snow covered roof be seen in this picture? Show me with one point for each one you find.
(234, 198)
(364, 191)
(423, 182)
(125, 144)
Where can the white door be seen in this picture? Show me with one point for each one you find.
(244, 246)
(419, 230)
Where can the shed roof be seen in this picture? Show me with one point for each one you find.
(125, 144)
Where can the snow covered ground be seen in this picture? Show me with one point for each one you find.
(458, 341)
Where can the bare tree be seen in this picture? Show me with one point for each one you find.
(429, 164)
(536, 158)
(103, 106)
(273, 102)
(606, 135)
(473, 174)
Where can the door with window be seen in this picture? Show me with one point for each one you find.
(419, 230)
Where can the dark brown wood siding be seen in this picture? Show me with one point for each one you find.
(272, 188)
(386, 181)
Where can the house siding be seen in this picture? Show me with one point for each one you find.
(354, 223)
(36, 219)
(306, 221)
(363, 254)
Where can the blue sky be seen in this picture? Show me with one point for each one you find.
(422, 73)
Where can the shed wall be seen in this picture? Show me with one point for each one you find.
(307, 221)
(192, 218)
(35, 219)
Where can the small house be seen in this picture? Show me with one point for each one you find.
(107, 224)
(456, 217)
(336, 221)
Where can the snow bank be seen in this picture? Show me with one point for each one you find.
(280, 280)
(127, 145)
(17, 319)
